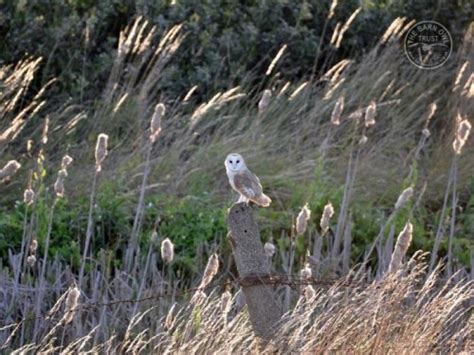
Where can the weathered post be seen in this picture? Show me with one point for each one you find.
(264, 309)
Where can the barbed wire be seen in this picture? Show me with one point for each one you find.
(246, 281)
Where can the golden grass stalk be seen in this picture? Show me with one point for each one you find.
(404, 197)
(155, 124)
(210, 271)
(100, 150)
(332, 9)
(337, 111)
(9, 170)
(276, 59)
(302, 220)
(370, 114)
(401, 247)
(72, 302)
(328, 212)
(346, 26)
(264, 101)
(167, 250)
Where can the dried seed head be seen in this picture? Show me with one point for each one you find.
(404, 197)
(302, 220)
(170, 317)
(264, 101)
(9, 169)
(155, 124)
(306, 272)
(370, 114)
(269, 249)
(337, 111)
(154, 237)
(28, 196)
(363, 140)
(463, 128)
(44, 135)
(403, 242)
(328, 212)
(33, 246)
(71, 304)
(167, 250)
(308, 292)
(211, 270)
(226, 302)
(100, 150)
(332, 9)
(59, 184)
(65, 162)
(426, 132)
(198, 298)
(31, 260)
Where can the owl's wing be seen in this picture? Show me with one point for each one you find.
(247, 184)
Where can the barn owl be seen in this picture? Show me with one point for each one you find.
(246, 183)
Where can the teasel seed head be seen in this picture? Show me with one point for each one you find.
(401, 247)
(167, 250)
(155, 124)
(9, 169)
(328, 212)
(337, 111)
(72, 301)
(302, 220)
(370, 114)
(404, 197)
(28, 196)
(210, 271)
(100, 150)
(269, 249)
(264, 101)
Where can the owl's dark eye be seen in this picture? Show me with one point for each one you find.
(230, 161)
(238, 161)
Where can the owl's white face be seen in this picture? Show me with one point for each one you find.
(234, 162)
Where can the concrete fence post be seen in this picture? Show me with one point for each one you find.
(264, 309)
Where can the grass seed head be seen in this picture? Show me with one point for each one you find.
(328, 212)
(9, 170)
(59, 184)
(33, 246)
(210, 271)
(404, 198)
(403, 242)
(72, 301)
(264, 101)
(155, 124)
(370, 114)
(167, 250)
(226, 303)
(302, 220)
(28, 196)
(65, 162)
(31, 260)
(461, 135)
(337, 111)
(306, 272)
(426, 132)
(269, 249)
(100, 150)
